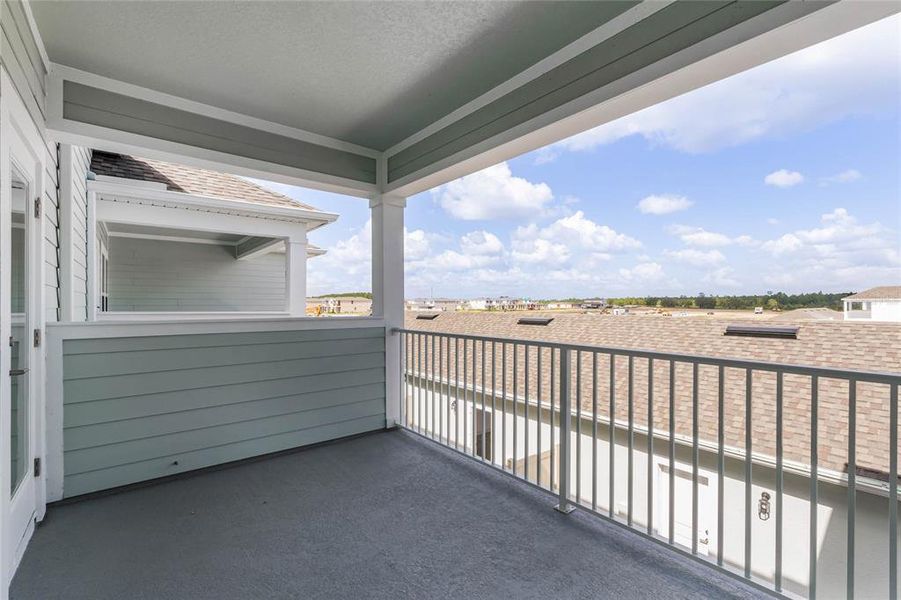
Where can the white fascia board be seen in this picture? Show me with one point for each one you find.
(93, 136)
(112, 209)
(125, 189)
(635, 92)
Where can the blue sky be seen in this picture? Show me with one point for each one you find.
(784, 177)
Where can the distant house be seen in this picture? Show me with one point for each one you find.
(594, 304)
(875, 304)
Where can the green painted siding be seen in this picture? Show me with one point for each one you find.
(146, 407)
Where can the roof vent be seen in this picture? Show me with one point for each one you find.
(428, 316)
(788, 333)
(534, 321)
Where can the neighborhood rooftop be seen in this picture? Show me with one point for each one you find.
(189, 180)
(886, 292)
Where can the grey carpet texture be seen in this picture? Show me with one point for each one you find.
(386, 515)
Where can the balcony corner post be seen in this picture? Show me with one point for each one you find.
(564, 505)
(388, 289)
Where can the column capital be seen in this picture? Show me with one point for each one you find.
(387, 200)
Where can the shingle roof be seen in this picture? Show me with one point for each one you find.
(836, 344)
(885, 292)
(190, 180)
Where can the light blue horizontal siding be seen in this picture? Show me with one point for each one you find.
(146, 407)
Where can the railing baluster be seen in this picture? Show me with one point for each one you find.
(650, 476)
(475, 396)
(748, 471)
(893, 493)
(504, 403)
(631, 442)
(515, 403)
(525, 406)
(594, 431)
(852, 482)
(420, 381)
(779, 483)
(694, 458)
(671, 534)
(814, 492)
(484, 421)
(611, 441)
(720, 464)
(457, 394)
(465, 392)
(563, 504)
(553, 414)
(434, 380)
(540, 418)
(447, 396)
(493, 398)
(405, 350)
(578, 426)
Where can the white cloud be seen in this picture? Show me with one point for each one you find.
(849, 75)
(840, 253)
(663, 204)
(493, 193)
(773, 221)
(783, 178)
(481, 243)
(649, 271)
(722, 277)
(584, 233)
(846, 176)
(698, 258)
(698, 236)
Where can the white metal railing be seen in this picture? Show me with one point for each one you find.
(536, 410)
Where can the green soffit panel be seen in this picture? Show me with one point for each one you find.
(103, 108)
(662, 34)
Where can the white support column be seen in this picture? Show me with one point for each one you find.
(296, 275)
(388, 288)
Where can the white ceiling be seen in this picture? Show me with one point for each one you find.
(371, 73)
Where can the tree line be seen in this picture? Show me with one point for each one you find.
(770, 301)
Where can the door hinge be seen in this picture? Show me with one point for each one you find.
(37, 207)
(37, 467)
(37, 338)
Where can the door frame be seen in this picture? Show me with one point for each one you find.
(20, 137)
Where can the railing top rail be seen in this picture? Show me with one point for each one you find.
(759, 365)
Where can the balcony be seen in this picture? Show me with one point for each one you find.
(384, 515)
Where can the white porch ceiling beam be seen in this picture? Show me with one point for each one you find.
(99, 112)
(781, 30)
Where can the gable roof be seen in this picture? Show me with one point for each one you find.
(833, 344)
(885, 292)
(189, 180)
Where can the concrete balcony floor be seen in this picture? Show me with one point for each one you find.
(385, 515)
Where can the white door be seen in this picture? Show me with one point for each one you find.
(682, 521)
(20, 292)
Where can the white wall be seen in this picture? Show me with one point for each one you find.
(156, 275)
(886, 310)
(871, 524)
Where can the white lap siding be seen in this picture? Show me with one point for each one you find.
(156, 275)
